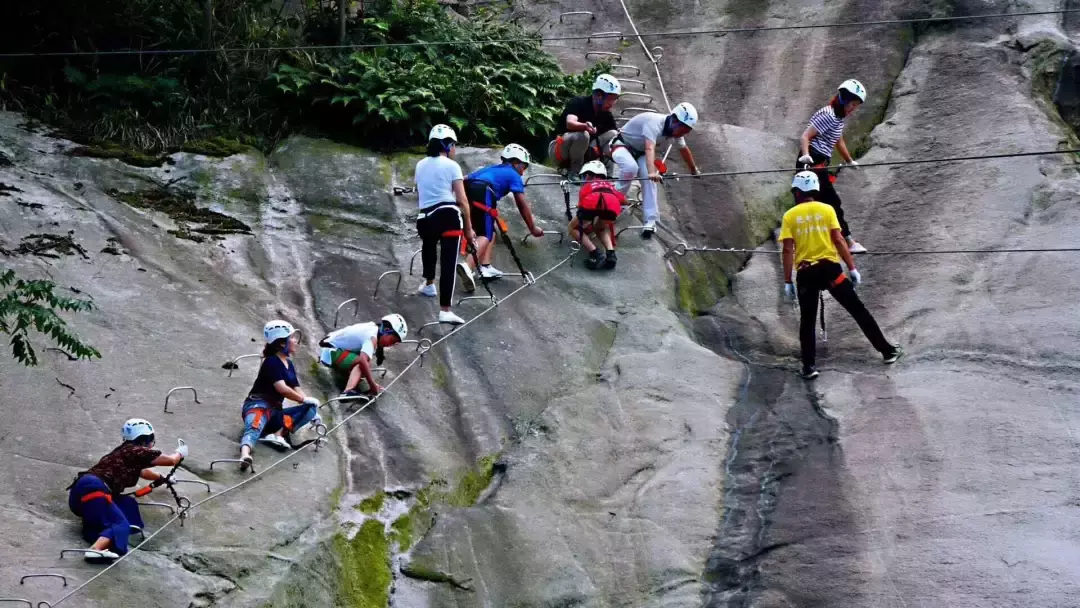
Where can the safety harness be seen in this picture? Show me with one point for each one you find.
(501, 227)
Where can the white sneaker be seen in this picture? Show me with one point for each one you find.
(445, 316)
(276, 441)
(103, 556)
(490, 272)
(428, 290)
(649, 229)
(855, 247)
(468, 283)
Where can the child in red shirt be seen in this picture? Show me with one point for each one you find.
(599, 204)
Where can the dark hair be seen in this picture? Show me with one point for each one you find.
(436, 147)
(801, 196)
(274, 347)
(837, 107)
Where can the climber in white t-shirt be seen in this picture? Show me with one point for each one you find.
(351, 349)
(634, 152)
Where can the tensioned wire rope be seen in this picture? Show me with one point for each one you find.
(574, 245)
(668, 34)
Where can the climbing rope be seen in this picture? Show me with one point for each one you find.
(682, 249)
(542, 39)
(418, 359)
(891, 163)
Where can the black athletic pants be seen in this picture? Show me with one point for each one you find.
(441, 228)
(828, 192)
(829, 276)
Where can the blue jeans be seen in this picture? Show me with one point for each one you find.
(262, 419)
(103, 513)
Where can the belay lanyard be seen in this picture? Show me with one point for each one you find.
(471, 249)
(182, 502)
(566, 195)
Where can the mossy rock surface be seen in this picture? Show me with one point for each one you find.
(365, 567)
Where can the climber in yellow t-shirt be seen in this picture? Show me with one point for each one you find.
(814, 245)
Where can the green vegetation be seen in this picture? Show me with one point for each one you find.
(372, 504)
(140, 107)
(699, 284)
(489, 93)
(410, 527)
(365, 567)
(32, 305)
(193, 223)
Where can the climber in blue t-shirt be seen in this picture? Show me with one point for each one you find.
(484, 188)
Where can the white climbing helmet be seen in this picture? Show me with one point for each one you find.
(441, 132)
(135, 428)
(397, 323)
(276, 330)
(516, 152)
(686, 114)
(806, 181)
(855, 88)
(608, 84)
(595, 167)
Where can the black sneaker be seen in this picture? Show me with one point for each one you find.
(353, 393)
(611, 260)
(596, 260)
(896, 353)
(809, 373)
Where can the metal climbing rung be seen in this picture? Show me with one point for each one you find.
(356, 309)
(180, 388)
(532, 177)
(624, 66)
(636, 109)
(657, 53)
(599, 35)
(621, 120)
(380, 369)
(150, 503)
(632, 81)
(15, 600)
(236, 460)
(617, 56)
(195, 481)
(561, 234)
(629, 228)
(137, 530)
(232, 365)
(402, 190)
(397, 288)
(64, 552)
(491, 299)
(432, 324)
(576, 13)
(412, 260)
(363, 399)
(44, 575)
(632, 94)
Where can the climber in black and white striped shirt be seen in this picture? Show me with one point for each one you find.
(823, 134)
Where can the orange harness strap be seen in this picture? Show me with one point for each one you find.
(493, 212)
(96, 495)
(840, 279)
(558, 150)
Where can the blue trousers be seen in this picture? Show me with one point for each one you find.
(103, 513)
(261, 420)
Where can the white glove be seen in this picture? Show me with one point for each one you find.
(182, 448)
(806, 159)
(312, 401)
(855, 277)
(854, 164)
(789, 291)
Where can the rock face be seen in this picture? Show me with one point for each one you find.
(635, 438)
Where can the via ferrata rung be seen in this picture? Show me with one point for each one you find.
(180, 388)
